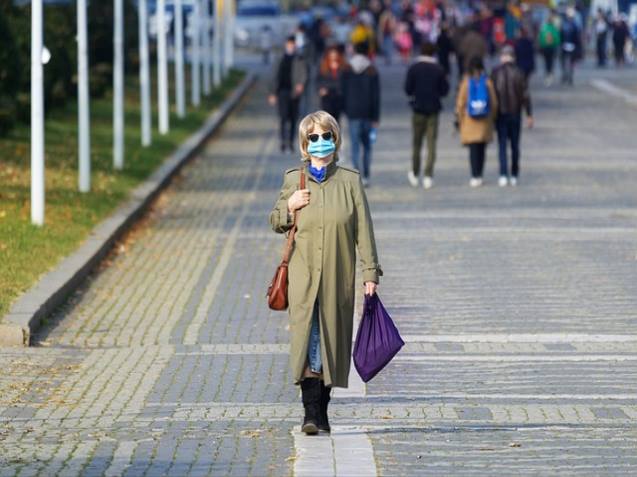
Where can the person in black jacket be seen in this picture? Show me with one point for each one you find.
(287, 85)
(361, 95)
(426, 84)
(525, 53)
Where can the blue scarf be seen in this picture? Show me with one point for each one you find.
(318, 174)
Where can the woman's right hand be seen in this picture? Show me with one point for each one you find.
(298, 200)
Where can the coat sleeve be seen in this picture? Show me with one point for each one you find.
(461, 100)
(375, 97)
(279, 218)
(274, 78)
(494, 100)
(365, 241)
(301, 74)
(409, 83)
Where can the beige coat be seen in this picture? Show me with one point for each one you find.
(474, 130)
(322, 267)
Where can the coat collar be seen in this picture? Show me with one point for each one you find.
(426, 59)
(331, 169)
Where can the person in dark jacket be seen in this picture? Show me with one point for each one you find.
(525, 53)
(445, 48)
(512, 90)
(570, 35)
(621, 33)
(426, 83)
(360, 85)
(329, 82)
(287, 85)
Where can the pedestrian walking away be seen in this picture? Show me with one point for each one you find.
(549, 42)
(329, 82)
(621, 34)
(525, 53)
(287, 85)
(361, 93)
(426, 83)
(471, 45)
(476, 107)
(512, 91)
(333, 222)
(570, 36)
(600, 25)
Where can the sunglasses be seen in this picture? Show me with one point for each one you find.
(315, 137)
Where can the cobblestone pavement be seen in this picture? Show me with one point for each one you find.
(518, 307)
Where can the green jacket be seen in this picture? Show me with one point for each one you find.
(322, 266)
(549, 36)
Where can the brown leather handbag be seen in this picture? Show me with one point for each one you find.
(278, 289)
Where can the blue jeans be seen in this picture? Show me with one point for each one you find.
(314, 347)
(359, 135)
(509, 126)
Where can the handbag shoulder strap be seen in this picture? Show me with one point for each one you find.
(290, 241)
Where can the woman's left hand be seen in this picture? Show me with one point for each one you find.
(370, 288)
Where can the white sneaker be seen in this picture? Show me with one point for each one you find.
(475, 182)
(365, 181)
(428, 182)
(513, 181)
(503, 181)
(413, 180)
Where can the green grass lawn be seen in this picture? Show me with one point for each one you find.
(26, 251)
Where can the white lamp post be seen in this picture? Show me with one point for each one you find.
(217, 43)
(162, 68)
(180, 93)
(144, 73)
(84, 121)
(228, 56)
(118, 86)
(195, 60)
(37, 116)
(205, 21)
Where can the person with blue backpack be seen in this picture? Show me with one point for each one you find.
(476, 110)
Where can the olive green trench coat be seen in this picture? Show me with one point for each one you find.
(323, 265)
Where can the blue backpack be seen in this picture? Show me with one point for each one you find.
(478, 104)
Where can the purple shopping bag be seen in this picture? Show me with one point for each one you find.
(377, 339)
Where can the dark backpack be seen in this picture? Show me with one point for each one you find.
(478, 104)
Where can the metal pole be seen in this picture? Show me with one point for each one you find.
(180, 96)
(217, 43)
(144, 73)
(205, 20)
(227, 39)
(37, 116)
(84, 124)
(232, 6)
(118, 86)
(195, 61)
(162, 68)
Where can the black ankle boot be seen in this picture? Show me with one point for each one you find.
(323, 422)
(311, 395)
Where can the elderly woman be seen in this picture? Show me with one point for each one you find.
(333, 222)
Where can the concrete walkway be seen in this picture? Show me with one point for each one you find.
(518, 307)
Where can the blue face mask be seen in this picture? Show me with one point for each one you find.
(321, 148)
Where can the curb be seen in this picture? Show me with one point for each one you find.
(53, 289)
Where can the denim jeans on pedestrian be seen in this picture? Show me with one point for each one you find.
(509, 127)
(359, 136)
(314, 347)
